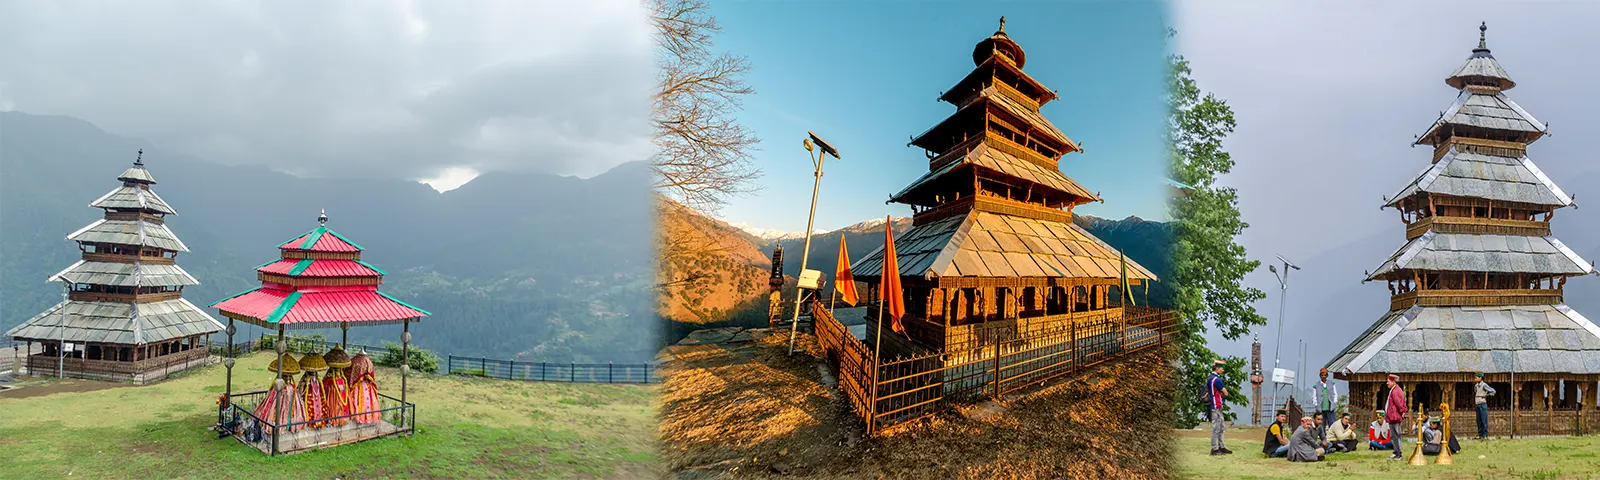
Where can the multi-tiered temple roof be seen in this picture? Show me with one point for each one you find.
(127, 289)
(1478, 285)
(994, 202)
(319, 281)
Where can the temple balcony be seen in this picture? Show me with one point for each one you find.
(1475, 298)
(1479, 226)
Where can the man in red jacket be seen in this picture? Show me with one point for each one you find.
(1394, 411)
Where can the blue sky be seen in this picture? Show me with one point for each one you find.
(865, 76)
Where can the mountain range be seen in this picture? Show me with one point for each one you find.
(512, 265)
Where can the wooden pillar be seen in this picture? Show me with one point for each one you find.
(1516, 397)
(405, 357)
(1550, 405)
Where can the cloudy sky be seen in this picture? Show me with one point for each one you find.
(409, 89)
(1329, 96)
(866, 77)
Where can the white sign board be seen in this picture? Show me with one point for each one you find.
(1282, 375)
(810, 279)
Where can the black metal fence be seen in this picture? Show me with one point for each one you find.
(476, 366)
(553, 372)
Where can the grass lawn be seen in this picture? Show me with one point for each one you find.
(467, 428)
(1547, 457)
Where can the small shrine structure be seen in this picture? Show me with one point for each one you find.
(122, 315)
(1478, 286)
(319, 281)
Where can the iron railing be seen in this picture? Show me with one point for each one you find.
(552, 372)
(393, 417)
(886, 393)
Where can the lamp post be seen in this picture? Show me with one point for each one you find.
(1283, 287)
(805, 253)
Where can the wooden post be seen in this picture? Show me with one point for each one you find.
(405, 357)
(1516, 391)
(1549, 407)
(996, 366)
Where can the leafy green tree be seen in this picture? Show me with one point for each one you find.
(1209, 266)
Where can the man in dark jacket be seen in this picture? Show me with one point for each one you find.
(1277, 442)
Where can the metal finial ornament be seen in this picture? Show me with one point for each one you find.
(139, 160)
(1002, 24)
(1483, 32)
(322, 219)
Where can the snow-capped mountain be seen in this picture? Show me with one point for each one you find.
(773, 234)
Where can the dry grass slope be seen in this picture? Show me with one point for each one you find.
(750, 411)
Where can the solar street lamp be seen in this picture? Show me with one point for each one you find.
(812, 142)
(1280, 375)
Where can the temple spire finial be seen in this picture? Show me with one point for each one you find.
(1483, 32)
(322, 219)
(139, 160)
(1002, 24)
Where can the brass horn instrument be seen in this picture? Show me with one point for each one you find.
(1444, 440)
(1417, 458)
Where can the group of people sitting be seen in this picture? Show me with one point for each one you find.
(1314, 438)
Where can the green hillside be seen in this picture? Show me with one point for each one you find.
(467, 428)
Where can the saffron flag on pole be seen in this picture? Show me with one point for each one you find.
(889, 282)
(843, 282)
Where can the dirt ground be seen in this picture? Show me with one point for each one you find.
(24, 387)
(742, 408)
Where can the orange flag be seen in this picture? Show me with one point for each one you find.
(843, 282)
(889, 282)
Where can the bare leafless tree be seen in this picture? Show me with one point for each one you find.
(705, 154)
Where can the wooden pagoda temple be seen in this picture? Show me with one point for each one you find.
(319, 281)
(123, 316)
(1478, 286)
(992, 253)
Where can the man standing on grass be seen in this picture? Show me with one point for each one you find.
(1325, 396)
(1219, 392)
(1480, 396)
(1394, 411)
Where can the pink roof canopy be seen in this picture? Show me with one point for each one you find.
(320, 281)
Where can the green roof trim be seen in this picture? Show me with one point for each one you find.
(296, 237)
(346, 240)
(407, 305)
(231, 297)
(283, 308)
(311, 238)
(300, 267)
(375, 269)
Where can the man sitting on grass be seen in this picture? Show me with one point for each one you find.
(1304, 446)
(1378, 434)
(1341, 437)
(1277, 443)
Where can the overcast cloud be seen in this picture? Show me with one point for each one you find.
(352, 88)
(1329, 96)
